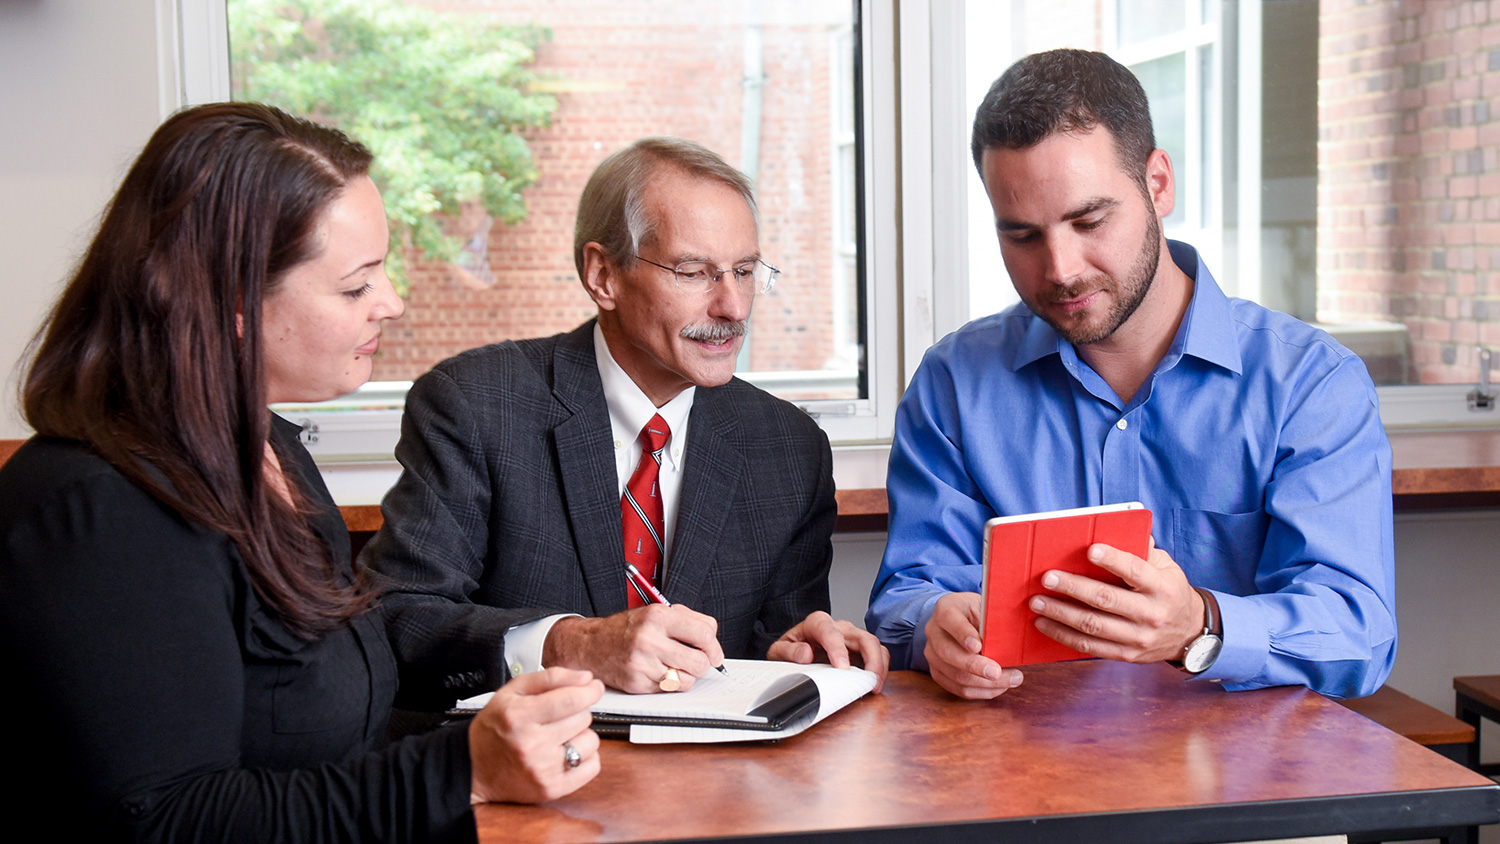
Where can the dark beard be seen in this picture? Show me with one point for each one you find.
(1128, 296)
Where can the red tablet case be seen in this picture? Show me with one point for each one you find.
(1020, 552)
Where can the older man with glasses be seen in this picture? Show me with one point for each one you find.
(613, 499)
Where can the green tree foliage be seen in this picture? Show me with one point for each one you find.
(439, 98)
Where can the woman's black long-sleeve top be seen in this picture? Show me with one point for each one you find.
(153, 697)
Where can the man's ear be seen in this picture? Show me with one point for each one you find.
(1161, 184)
(601, 278)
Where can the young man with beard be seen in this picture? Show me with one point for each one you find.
(1126, 374)
(533, 471)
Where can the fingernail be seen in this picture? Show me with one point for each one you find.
(992, 672)
(1015, 679)
(1049, 580)
(1037, 604)
(1095, 553)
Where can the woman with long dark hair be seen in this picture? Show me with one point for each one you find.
(184, 625)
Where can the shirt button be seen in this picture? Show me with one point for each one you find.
(1122, 424)
(619, 445)
(516, 670)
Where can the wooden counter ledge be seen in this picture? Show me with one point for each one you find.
(1446, 469)
(1432, 470)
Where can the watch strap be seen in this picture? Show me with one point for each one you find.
(1212, 629)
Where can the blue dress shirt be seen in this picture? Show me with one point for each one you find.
(1256, 443)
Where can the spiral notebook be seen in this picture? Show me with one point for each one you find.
(758, 700)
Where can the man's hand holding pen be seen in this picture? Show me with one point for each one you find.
(632, 650)
(672, 680)
(665, 647)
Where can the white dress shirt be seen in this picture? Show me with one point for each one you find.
(629, 411)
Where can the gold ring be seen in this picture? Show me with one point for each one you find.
(670, 682)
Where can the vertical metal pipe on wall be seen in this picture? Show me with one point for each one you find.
(752, 87)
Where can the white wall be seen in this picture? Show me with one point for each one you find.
(1447, 604)
(78, 98)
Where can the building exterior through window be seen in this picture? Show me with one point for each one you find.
(768, 85)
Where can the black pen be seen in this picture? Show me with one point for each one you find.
(651, 595)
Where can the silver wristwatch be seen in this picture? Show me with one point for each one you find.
(1202, 651)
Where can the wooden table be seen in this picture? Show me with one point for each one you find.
(1083, 751)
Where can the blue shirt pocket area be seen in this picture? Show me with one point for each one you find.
(1219, 551)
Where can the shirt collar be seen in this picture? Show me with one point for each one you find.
(1207, 330)
(1039, 342)
(630, 409)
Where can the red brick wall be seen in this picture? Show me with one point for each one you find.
(1409, 175)
(619, 71)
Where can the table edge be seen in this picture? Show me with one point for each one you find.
(1218, 823)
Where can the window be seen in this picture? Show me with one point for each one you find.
(1332, 225)
(778, 89)
(1348, 179)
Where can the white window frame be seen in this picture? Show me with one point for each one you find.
(916, 125)
(1201, 226)
(842, 141)
(195, 69)
(1404, 407)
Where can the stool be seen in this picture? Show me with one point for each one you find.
(1475, 699)
(1426, 725)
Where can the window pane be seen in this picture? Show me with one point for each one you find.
(1378, 194)
(1210, 117)
(770, 86)
(1143, 20)
(1165, 81)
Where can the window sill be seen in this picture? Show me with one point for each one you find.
(858, 472)
(1433, 407)
(1431, 470)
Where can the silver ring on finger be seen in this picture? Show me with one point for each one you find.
(571, 757)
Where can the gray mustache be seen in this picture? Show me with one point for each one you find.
(714, 332)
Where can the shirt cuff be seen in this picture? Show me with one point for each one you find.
(1247, 643)
(524, 643)
(917, 656)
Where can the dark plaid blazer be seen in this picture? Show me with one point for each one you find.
(507, 510)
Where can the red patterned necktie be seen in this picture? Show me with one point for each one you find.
(641, 510)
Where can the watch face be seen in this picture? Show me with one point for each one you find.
(1202, 653)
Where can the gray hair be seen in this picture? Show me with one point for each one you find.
(612, 210)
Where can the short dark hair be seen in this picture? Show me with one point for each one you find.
(1069, 91)
(152, 354)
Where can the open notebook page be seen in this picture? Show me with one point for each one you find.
(749, 683)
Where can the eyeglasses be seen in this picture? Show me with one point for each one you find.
(752, 277)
